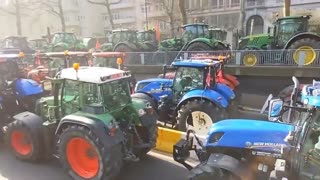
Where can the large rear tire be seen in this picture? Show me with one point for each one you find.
(147, 98)
(24, 142)
(309, 46)
(204, 171)
(200, 114)
(83, 155)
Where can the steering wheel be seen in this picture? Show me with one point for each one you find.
(90, 98)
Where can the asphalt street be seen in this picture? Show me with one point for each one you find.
(155, 166)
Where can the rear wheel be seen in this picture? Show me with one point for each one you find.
(147, 98)
(199, 115)
(24, 142)
(199, 46)
(307, 45)
(84, 157)
(204, 171)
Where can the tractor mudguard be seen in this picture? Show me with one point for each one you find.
(225, 91)
(230, 164)
(30, 119)
(297, 36)
(95, 125)
(210, 95)
(27, 87)
(202, 40)
(130, 45)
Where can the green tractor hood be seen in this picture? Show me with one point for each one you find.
(171, 44)
(259, 41)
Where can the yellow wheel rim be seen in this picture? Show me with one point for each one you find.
(310, 55)
(250, 60)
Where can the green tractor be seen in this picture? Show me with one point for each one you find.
(196, 37)
(65, 41)
(147, 40)
(123, 40)
(38, 44)
(90, 123)
(289, 33)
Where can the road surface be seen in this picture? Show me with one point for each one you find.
(155, 166)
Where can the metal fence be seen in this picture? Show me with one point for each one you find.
(302, 57)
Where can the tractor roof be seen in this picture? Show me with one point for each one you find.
(109, 54)
(5, 57)
(197, 63)
(294, 17)
(62, 54)
(95, 75)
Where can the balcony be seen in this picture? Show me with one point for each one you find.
(123, 5)
(124, 20)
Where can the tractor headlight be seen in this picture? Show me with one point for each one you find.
(141, 112)
(215, 137)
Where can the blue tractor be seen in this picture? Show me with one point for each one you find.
(241, 149)
(192, 99)
(16, 93)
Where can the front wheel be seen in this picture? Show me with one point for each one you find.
(83, 155)
(199, 115)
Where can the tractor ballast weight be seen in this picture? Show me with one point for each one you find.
(263, 149)
(90, 112)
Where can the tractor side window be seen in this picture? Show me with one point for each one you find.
(188, 78)
(70, 97)
(91, 94)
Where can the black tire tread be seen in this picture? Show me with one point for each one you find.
(112, 160)
(197, 45)
(36, 154)
(205, 172)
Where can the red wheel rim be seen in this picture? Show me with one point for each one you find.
(82, 157)
(21, 143)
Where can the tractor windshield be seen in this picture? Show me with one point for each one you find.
(188, 78)
(64, 37)
(116, 94)
(8, 70)
(194, 31)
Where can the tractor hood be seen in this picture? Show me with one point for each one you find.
(258, 41)
(249, 134)
(171, 44)
(156, 87)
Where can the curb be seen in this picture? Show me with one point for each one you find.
(169, 137)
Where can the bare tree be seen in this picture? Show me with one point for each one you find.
(183, 11)
(14, 9)
(169, 7)
(55, 8)
(107, 5)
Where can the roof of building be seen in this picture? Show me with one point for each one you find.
(94, 74)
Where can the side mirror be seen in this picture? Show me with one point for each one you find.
(269, 30)
(275, 108)
(47, 85)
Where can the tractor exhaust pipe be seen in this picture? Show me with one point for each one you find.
(294, 95)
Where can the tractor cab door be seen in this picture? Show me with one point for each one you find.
(307, 160)
(187, 79)
(70, 102)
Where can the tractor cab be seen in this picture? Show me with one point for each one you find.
(287, 27)
(124, 35)
(149, 35)
(53, 62)
(219, 34)
(62, 41)
(38, 44)
(193, 31)
(17, 42)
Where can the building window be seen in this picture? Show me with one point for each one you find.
(255, 25)
(214, 4)
(205, 4)
(221, 4)
(235, 3)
